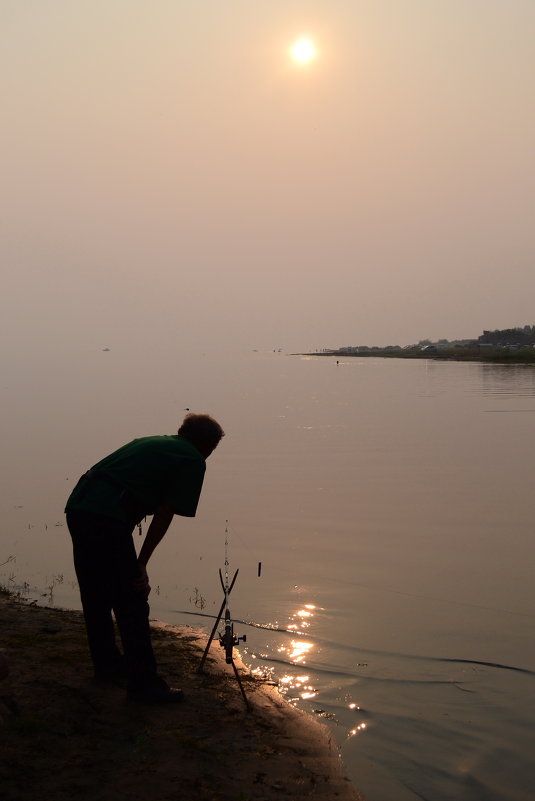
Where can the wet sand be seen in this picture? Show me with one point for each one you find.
(64, 736)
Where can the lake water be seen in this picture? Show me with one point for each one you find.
(390, 503)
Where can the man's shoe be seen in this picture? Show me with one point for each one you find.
(155, 692)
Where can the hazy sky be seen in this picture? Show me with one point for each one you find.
(169, 172)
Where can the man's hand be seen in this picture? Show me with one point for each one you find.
(157, 529)
(141, 584)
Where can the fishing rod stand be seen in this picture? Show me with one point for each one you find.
(227, 640)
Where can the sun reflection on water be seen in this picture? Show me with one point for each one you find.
(296, 685)
(302, 617)
(297, 651)
(357, 729)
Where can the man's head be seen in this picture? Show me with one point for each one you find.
(202, 431)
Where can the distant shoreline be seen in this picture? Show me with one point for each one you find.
(494, 355)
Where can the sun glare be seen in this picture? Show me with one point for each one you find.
(303, 51)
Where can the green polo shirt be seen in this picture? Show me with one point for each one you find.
(154, 471)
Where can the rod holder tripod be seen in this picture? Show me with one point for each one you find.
(227, 640)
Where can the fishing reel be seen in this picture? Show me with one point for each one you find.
(228, 639)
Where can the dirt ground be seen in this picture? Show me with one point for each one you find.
(64, 737)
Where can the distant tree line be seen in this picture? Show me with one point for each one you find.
(509, 336)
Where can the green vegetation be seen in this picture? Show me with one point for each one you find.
(509, 336)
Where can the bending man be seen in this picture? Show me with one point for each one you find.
(160, 476)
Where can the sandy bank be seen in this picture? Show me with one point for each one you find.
(63, 736)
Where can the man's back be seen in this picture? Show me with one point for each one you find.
(143, 474)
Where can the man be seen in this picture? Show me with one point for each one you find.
(160, 476)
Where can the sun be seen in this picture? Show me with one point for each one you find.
(303, 51)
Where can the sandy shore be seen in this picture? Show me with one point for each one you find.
(64, 737)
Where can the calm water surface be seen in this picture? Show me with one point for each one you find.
(390, 503)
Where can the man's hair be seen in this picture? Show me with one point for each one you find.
(201, 429)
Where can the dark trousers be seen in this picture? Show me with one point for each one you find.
(106, 566)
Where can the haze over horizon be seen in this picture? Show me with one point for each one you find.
(171, 172)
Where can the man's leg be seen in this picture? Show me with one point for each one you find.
(107, 567)
(131, 610)
(95, 582)
(132, 614)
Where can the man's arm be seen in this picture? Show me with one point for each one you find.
(155, 533)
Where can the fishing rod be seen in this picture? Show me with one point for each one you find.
(227, 639)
